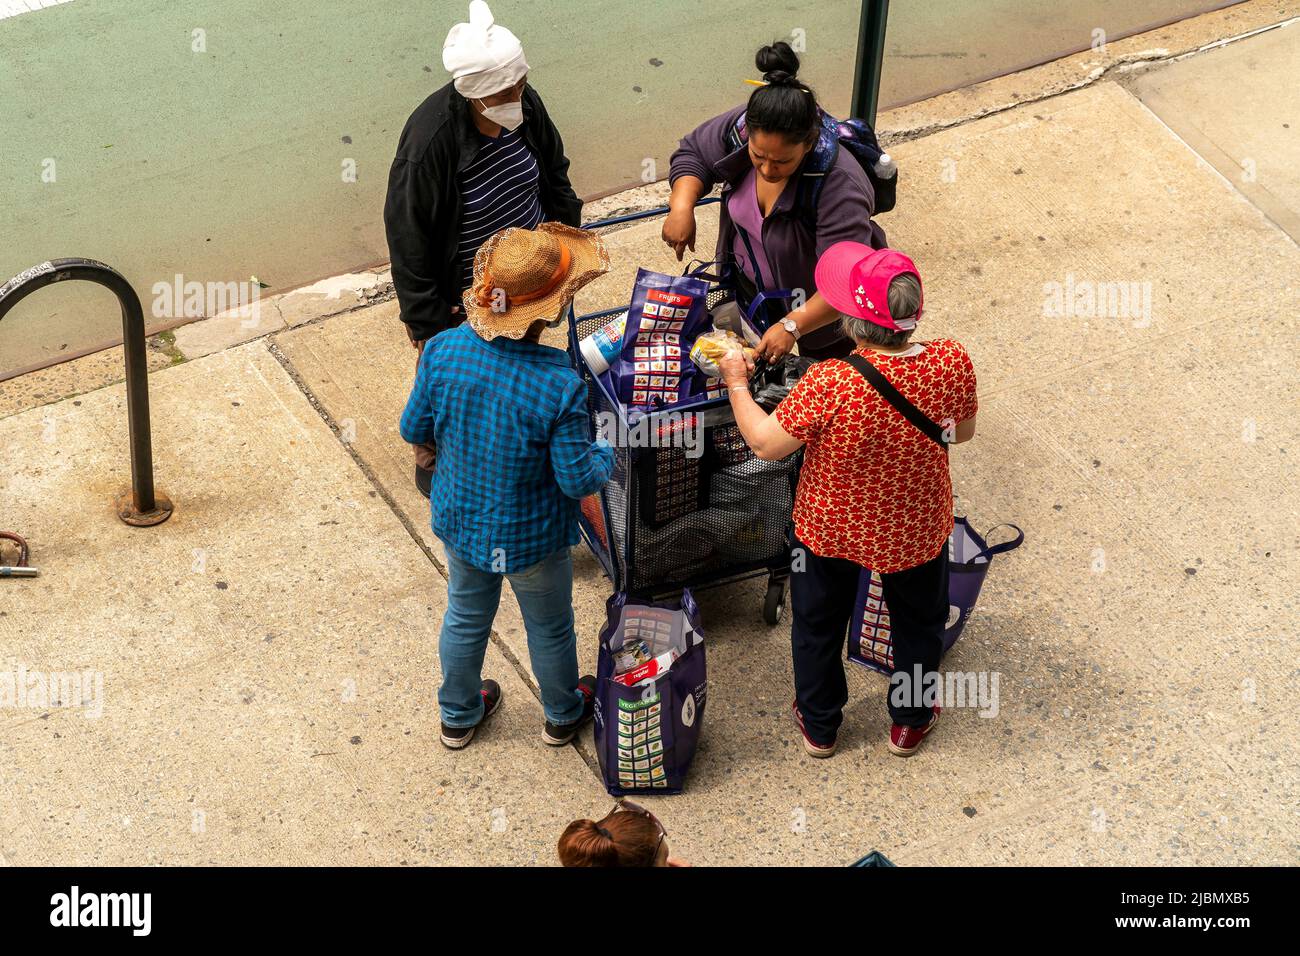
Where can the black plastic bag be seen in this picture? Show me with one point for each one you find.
(772, 383)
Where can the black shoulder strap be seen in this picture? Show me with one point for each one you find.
(896, 398)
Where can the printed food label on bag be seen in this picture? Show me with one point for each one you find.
(875, 642)
(666, 315)
(650, 705)
(641, 756)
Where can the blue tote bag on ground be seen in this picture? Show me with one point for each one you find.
(650, 689)
(870, 634)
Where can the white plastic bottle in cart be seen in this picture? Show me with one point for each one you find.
(601, 347)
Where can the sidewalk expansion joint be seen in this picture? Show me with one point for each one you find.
(1124, 64)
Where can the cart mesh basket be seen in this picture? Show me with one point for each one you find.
(675, 516)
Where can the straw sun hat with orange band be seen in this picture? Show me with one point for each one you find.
(523, 275)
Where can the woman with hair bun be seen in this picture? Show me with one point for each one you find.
(758, 152)
(628, 835)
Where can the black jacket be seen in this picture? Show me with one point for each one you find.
(423, 209)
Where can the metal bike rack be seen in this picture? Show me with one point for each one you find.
(143, 505)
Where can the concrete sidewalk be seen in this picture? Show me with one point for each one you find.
(268, 655)
(268, 688)
(1239, 108)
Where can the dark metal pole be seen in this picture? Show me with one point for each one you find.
(871, 53)
(142, 505)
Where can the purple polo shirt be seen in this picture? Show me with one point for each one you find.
(742, 205)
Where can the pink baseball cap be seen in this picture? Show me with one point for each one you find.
(854, 279)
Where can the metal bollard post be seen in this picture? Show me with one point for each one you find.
(871, 54)
(142, 505)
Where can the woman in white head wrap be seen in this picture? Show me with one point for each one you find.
(479, 155)
(482, 56)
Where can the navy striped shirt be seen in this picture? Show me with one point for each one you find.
(499, 189)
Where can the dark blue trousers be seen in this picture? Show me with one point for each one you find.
(822, 597)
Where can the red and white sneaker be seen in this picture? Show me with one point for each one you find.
(813, 747)
(457, 738)
(557, 735)
(903, 741)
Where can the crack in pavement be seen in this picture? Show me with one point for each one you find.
(1126, 63)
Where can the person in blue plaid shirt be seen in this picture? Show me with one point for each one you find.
(509, 418)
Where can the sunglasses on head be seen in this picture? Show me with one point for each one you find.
(627, 806)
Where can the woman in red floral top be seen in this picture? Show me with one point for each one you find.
(874, 491)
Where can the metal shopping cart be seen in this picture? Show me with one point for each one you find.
(673, 516)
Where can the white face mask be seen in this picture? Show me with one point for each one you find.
(508, 115)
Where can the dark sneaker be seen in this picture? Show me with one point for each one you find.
(816, 748)
(557, 735)
(424, 480)
(458, 737)
(903, 741)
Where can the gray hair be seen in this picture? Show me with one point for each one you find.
(904, 300)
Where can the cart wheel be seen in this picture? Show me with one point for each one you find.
(774, 603)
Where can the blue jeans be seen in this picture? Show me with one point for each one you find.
(545, 595)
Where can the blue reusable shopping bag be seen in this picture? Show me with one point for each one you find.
(870, 631)
(653, 368)
(648, 719)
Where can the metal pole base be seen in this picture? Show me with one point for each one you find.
(126, 510)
